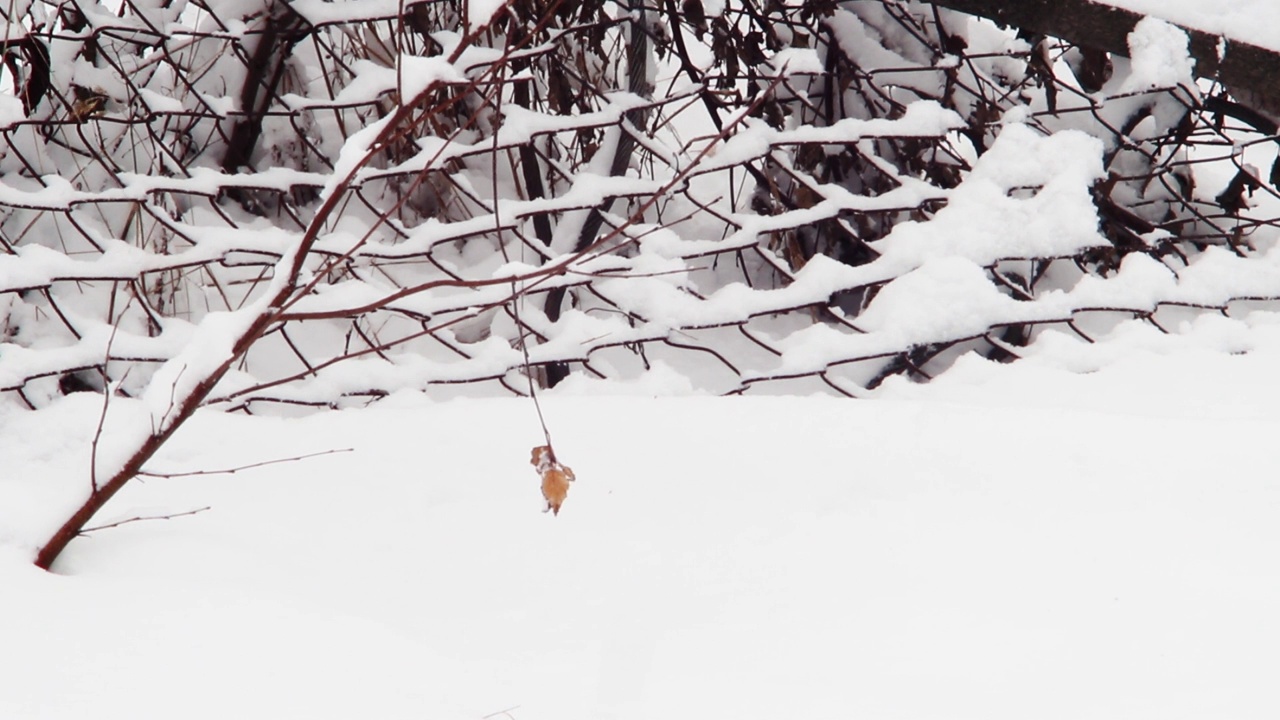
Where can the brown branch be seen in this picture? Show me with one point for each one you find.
(290, 267)
(102, 417)
(239, 468)
(140, 518)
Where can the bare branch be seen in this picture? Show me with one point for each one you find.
(234, 470)
(142, 518)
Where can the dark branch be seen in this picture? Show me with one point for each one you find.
(1251, 73)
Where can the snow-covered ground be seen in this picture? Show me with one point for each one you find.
(1007, 542)
(1089, 533)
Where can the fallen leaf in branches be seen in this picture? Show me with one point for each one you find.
(555, 477)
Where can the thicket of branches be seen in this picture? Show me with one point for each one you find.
(254, 203)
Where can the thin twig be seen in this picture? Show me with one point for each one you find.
(516, 294)
(506, 713)
(106, 402)
(140, 518)
(234, 470)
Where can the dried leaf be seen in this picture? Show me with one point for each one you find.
(1232, 199)
(695, 15)
(555, 477)
(1093, 69)
(88, 104)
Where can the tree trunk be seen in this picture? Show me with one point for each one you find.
(1251, 73)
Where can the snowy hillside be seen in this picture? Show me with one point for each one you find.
(1007, 542)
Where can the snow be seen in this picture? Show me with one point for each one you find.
(1256, 22)
(417, 74)
(921, 119)
(480, 13)
(797, 61)
(158, 103)
(353, 154)
(11, 111)
(1008, 541)
(1159, 56)
(321, 12)
(1088, 532)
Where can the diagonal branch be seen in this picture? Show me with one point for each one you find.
(260, 318)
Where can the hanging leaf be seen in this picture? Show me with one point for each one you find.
(37, 69)
(555, 477)
(1232, 199)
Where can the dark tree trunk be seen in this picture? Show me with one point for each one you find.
(1251, 73)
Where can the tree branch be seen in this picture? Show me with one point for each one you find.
(1251, 73)
(234, 470)
(289, 270)
(140, 518)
